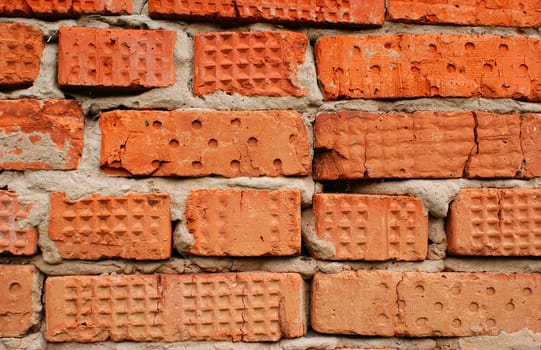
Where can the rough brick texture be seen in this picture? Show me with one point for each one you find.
(16, 304)
(21, 48)
(426, 144)
(13, 238)
(507, 13)
(249, 63)
(490, 221)
(245, 306)
(421, 304)
(197, 143)
(327, 12)
(420, 65)
(115, 58)
(64, 8)
(134, 226)
(40, 135)
(244, 222)
(368, 227)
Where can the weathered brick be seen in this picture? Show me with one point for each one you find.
(420, 304)
(64, 8)
(40, 135)
(490, 221)
(526, 13)
(426, 144)
(13, 238)
(105, 7)
(244, 222)
(17, 313)
(115, 58)
(371, 227)
(420, 65)
(327, 12)
(134, 226)
(241, 307)
(249, 63)
(21, 47)
(197, 143)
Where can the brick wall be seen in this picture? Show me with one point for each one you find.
(265, 174)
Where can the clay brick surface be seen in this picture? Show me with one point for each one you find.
(40, 135)
(244, 222)
(21, 48)
(197, 143)
(244, 306)
(335, 12)
(426, 144)
(490, 221)
(13, 239)
(505, 13)
(420, 65)
(134, 226)
(64, 8)
(366, 227)
(115, 58)
(16, 303)
(249, 63)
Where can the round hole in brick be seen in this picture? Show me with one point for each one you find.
(356, 51)
(252, 141)
(487, 68)
(174, 143)
(527, 291)
(235, 164)
(235, 122)
(469, 46)
(157, 124)
(197, 165)
(456, 290)
(474, 307)
(510, 306)
(375, 69)
(292, 138)
(491, 291)
(196, 124)
(213, 143)
(388, 45)
(451, 68)
(523, 68)
(14, 287)
(433, 48)
(456, 323)
(382, 318)
(419, 289)
(277, 164)
(491, 322)
(434, 90)
(421, 321)
(438, 306)
(156, 163)
(503, 48)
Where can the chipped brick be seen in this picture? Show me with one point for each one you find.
(13, 238)
(64, 8)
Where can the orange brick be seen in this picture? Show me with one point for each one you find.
(371, 227)
(40, 135)
(64, 8)
(420, 304)
(249, 63)
(421, 65)
(490, 221)
(342, 13)
(134, 226)
(197, 143)
(21, 48)
(106, 7)
(426, 144)
(13, 239)
(115, 58)
(17, 312)
(245, 306)
(485, 13)
(244, 222)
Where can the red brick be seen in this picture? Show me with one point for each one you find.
(118, 59)
(197, 143)
(426, 144)
(17, 312)
(245, 306)
(244, 222)
(134, 226)
(372, 227)
(249, 63)
(485, 13)
(421, 65)
(64, 8)
(40, 135)
(14, 239)
(420, 304)
(117, 7)
(490, 221)
(21, 48)
(327, 12)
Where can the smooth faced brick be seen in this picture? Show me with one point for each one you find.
(17, 313)
(240, 307)
(21, 47)
(115, 59)
(370, 227)
(426, 65)
(64, 8)
(426, 144)
(134, 226)
(505, 13)
(40, 135)
(249, 63)
(491, 221)
(13, 238)
(197, 143)
(244, 222)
